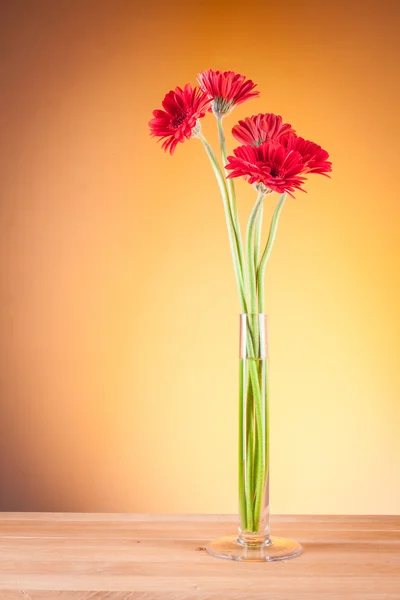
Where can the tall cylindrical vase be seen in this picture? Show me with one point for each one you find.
(253, 542)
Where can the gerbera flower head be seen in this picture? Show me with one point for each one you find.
(261, 128)
(179, 119)
(313, 156)
(270, 168)
(226, 89)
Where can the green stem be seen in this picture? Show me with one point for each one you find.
(242, 448)
(231, 192)
(231, 229)
(257, 237)
(257, 241)
(262, 462)
(267, 252)
(259, 457)
(233, 211)
(256, 436)
(262, 455)
(249, 455)
(251, 270)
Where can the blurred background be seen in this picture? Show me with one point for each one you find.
(118, 306)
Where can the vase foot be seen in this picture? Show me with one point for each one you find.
(276, 549)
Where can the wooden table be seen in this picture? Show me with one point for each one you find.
(147, 557)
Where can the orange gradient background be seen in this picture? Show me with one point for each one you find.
(119, 345)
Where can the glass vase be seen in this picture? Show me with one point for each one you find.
(253, 541)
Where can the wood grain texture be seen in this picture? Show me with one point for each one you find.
(148, 557)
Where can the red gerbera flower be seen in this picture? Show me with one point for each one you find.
(260, 128)
(313, 156)
(278, 168)
(182, 109)
(226, 89)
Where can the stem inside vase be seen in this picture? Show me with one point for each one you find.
(253, 430)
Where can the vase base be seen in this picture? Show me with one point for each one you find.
(276, 549)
